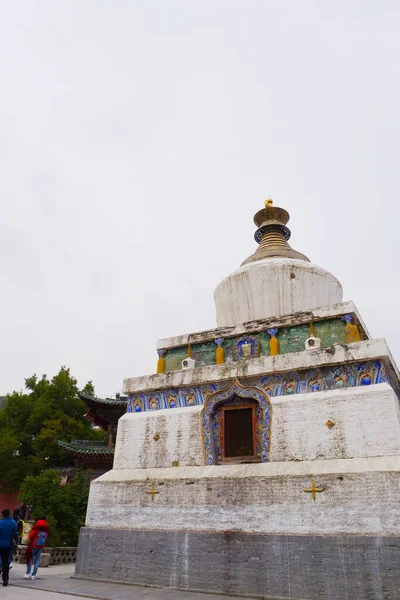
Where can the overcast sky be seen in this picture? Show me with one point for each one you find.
(138, 139)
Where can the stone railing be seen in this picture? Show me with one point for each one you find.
(58, 555)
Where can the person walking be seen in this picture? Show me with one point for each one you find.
(20, 525)
(17, 535)
(8, 528)
(37, 541)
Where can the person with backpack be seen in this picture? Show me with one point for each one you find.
(8, 528)
(37, 541)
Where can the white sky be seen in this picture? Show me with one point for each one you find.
(139, 138)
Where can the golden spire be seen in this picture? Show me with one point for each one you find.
(272, 235)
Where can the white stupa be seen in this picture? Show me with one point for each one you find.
(263, 457)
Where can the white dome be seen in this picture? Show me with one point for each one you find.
(274, 287)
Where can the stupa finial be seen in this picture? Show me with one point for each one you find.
(272, 234)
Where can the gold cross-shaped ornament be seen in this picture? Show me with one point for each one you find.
(153, 492)
(314, 489)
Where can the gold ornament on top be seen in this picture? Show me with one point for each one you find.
(272, 234)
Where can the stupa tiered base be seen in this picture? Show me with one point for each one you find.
(321, 514)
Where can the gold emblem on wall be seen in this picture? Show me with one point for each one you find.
(153, 492)
(313, 490)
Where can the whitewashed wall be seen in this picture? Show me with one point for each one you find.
(274, 287)
(178, 439)
(367, 423)
(360, 496)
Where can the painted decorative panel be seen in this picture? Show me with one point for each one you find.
(330, 332)
(204, 354)
(291, 339)
(174, 358)
(301, 382)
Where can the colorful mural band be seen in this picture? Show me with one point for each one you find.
(343, 329)
(327, 378)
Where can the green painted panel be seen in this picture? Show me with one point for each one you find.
(291, 339)
(229, 347)
(204, 354)
(264, 343)
(174, 358)
(330, 332)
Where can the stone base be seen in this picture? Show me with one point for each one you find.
(45, 559)
(302, 567)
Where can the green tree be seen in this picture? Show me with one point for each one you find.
(64, 506)
(32, 422)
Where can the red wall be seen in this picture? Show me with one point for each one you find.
(9, 501)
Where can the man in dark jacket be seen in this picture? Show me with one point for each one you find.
(8, 527)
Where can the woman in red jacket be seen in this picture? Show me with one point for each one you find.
(37, 541)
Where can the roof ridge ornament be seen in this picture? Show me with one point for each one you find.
(272, 235)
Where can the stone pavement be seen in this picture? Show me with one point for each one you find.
(57, 583)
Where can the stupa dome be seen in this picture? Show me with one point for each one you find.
(274, 281)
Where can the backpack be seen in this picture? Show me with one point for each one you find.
(40, 540)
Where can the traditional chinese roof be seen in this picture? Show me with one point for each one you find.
(104, 411)
(92, 401)
(87, 448)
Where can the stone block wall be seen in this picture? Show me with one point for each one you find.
(287, 567)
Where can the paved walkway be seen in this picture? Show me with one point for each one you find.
(57, 583)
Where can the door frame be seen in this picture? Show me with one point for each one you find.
(253, 406)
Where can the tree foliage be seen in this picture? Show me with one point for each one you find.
(64, 506)
(33, 421)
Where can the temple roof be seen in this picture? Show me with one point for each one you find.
(104, 411)
(87, 448)
(92, 401)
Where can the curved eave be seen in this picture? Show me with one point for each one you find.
(98, 453)
(92, 402)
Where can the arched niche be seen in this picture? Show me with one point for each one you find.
(219, 422)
